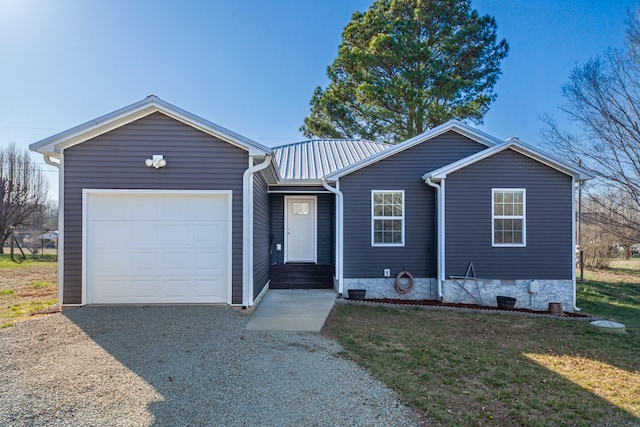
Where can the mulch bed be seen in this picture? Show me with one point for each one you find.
(435, 303)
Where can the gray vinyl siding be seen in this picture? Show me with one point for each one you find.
(277, 227)
(325, 226)
(548, 251)
(261, 234)
(325, 235)
(195, 161)
(402, 171)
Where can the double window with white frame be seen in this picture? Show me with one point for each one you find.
(509, 216)
(387, 218)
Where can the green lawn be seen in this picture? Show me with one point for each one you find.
(463, 369)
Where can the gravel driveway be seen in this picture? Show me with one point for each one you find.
(181, 365)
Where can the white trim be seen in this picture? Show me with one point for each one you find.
(87, 192)
(523, 217)
(247, 229)
(519, 147)
(452, 125)
(315, 227)
(299, 192)
(382, 217)
(55, 144)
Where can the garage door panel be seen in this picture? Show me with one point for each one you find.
(177, 290)
(143, 233)
(113, 263)
(107, 232)
(160, 248)
(112, 291)
(144, 289)
(210, 233)
(143, 262)
(207, 289)
(174, 262)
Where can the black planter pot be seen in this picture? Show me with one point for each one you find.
(357, 294)
(506, 303)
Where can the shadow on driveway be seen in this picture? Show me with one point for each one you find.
(198, 365)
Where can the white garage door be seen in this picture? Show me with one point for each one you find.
(157, 248)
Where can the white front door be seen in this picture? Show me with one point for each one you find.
(300, 229)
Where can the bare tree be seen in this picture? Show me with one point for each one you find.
(23, 190)
(603, 100)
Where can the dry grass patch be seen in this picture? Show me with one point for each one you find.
(26, 288)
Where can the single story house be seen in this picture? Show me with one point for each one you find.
(158, 205)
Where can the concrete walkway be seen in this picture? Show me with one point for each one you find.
(293, 310)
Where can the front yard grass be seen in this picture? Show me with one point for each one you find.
(26, 287)
(464, 369)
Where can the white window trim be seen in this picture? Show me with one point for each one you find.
(374, 218)
(523, 217)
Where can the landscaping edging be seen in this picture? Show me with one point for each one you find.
(464, 310)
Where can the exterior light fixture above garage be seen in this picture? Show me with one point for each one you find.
(157, 161)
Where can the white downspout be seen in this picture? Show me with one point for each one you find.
(49, 161)
(440, 233)
(573, 239)
(339, 233)
(247, 230)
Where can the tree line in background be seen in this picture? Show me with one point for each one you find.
(23, 195)
(603, 100)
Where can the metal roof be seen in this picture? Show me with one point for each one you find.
(317, 158)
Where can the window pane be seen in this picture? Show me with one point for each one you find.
(518, 197)
(508, 197)
(300, 208)
(508, 210)
(497, 197)
(377, 210)
(518, 210)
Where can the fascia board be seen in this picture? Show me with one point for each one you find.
(578, 173)
(453, 125)
(298, 182)
(517, 146)
(57, 143)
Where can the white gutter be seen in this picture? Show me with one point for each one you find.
(441, 223)
(47, 160)
(573, 238)
(339, 233)
(247, 230)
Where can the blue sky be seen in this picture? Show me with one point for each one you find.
(252, 65)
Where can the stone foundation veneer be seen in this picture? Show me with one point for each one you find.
(423, 288)
(549, 291)
(426, 288)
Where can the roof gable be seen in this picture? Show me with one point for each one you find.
(516, 145)
(450, 126)
(54, 145)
